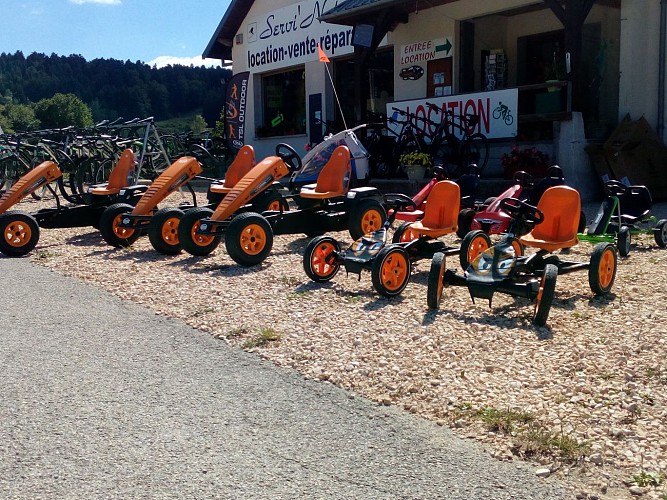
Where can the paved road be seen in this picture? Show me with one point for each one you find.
(103, 399)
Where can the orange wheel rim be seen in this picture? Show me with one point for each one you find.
(17, 234)
(170, 230)
(318, 261)
(200, 239)
(518, 249)
(253, 239)
(606, 268)
(371, 221)
(121, 232)
(408, 235)
(274, 205)
(540, 291)
(477, 246)
(394, 271)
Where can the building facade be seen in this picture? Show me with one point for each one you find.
(463, 55)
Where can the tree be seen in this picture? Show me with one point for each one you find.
(63, 110)
(22, 117)
(198, 124)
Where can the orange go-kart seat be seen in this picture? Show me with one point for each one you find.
(334, 177)
(561, 206)
(119, 176)
(242, 164)
(441, 213)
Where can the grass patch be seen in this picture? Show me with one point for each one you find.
(43, 255)
(203, 311)
(265, 337)
(644, 479)
(298, 295)
(536, 441)
(505, 421)
(289, 280)
(237, 332)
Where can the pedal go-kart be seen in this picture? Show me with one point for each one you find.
(626, 210)
(390, 264)
(500, 269)
(121, 224)
(327, 205)
(21, 230)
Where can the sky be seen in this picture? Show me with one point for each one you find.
(156, 32)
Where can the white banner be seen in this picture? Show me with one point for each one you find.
(289, 36)
(497, 111)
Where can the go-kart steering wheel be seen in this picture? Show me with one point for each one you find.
(521, 210)
(290, 156)
(399, 201)
(614, 188)
(524, 179)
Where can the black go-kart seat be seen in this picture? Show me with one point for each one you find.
(635, 205)
(469, 183)
(553, 178)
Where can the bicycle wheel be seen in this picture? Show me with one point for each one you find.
(475, 149)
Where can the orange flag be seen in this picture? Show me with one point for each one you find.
(323, 56)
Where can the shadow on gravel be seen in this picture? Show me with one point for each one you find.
(91, 239)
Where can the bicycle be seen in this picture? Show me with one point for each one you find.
(453, 145)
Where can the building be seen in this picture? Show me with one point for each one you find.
(464, 55)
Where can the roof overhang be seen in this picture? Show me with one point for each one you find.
(351, 12)
(220, 46)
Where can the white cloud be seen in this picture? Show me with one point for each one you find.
(162, 61)
(104, 2)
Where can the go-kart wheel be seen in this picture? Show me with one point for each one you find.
(465, 220)
(249, 239)
(545, 294)
(518, 247)
(163, 230)
(110, 229)
(435, 280)
(582, 222)
(623, 240)
(660, 233)
(320, 260)
(289, 155)
(404, 234)
(367, 216)
(270, 201)
(391, 271)
(20, 233)
(474, 243)
(193, 243)
(602, 268)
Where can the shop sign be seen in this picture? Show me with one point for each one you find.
(289, 36)
(426, 51)
(497, 111)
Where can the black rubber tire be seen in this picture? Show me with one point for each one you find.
(602, 268)
(198, 245)
(394, 279)
(400, 232)
(369, 215)
(660, 233)
(246, 230)
(476, 150)
(317, 250)
(582, 222)
(108, 221)
(465, 221)
(163, 231)
(473, 243)
(22, 229)
(545, 295)
(435, 283)
(623, 241)
(265, 201)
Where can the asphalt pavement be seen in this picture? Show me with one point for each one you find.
(101, 398)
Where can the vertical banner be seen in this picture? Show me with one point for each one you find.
(235, 106)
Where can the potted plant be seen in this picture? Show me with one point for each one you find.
(530, 160)
(554, 73)
(415, 164)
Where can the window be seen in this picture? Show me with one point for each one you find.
(284, 104)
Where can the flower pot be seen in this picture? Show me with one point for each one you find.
(415, 172)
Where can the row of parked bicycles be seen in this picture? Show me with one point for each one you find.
(451, 140)
(86, 156)
(506, 244)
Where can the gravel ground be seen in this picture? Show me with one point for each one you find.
(584, 398)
